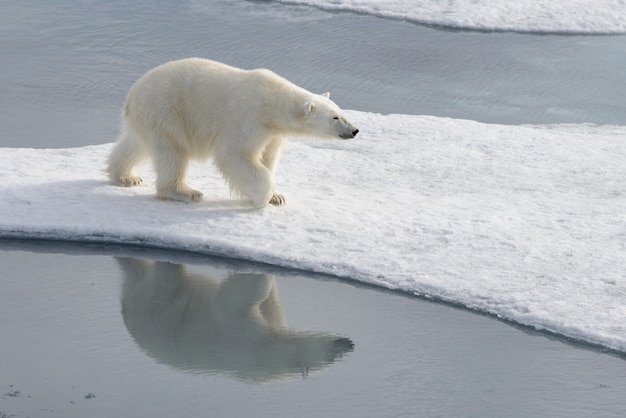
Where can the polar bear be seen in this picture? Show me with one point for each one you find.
(234, 325)
(198, 109)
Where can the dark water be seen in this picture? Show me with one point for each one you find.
(163, 334)
(74, 323)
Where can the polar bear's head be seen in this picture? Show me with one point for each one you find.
(323, 117)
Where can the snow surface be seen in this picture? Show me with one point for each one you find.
(554, 16)
(524, 222)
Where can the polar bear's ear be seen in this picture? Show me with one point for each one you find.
(327, 95)
(308, 108)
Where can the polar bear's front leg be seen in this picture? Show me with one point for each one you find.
(271, 155)
(247, 176)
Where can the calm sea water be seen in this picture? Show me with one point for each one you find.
(163, 334)
(67, 65)
(79, 340)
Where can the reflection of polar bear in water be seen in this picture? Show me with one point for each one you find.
(237, 326)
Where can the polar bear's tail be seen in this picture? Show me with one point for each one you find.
(127, 154)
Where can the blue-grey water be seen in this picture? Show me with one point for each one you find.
(113, 332)
(67, 65)
(164, 334)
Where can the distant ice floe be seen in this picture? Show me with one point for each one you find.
(540, 16)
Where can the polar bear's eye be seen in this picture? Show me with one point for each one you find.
(336, 118)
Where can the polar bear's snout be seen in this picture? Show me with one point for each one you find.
(350, 131)
(349, 135)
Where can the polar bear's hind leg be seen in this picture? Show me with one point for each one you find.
(127, 153)
(171, 170)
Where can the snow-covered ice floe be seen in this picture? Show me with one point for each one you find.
(539, 16)
(527, 223)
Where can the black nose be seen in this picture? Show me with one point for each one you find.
(356, 131)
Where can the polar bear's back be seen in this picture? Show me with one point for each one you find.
(190, 72)
(193, 101)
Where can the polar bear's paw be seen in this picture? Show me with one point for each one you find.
(277, 200)
(195, 196)
(182, 195)
(129, 181)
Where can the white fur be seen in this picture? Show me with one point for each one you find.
(197, 109)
